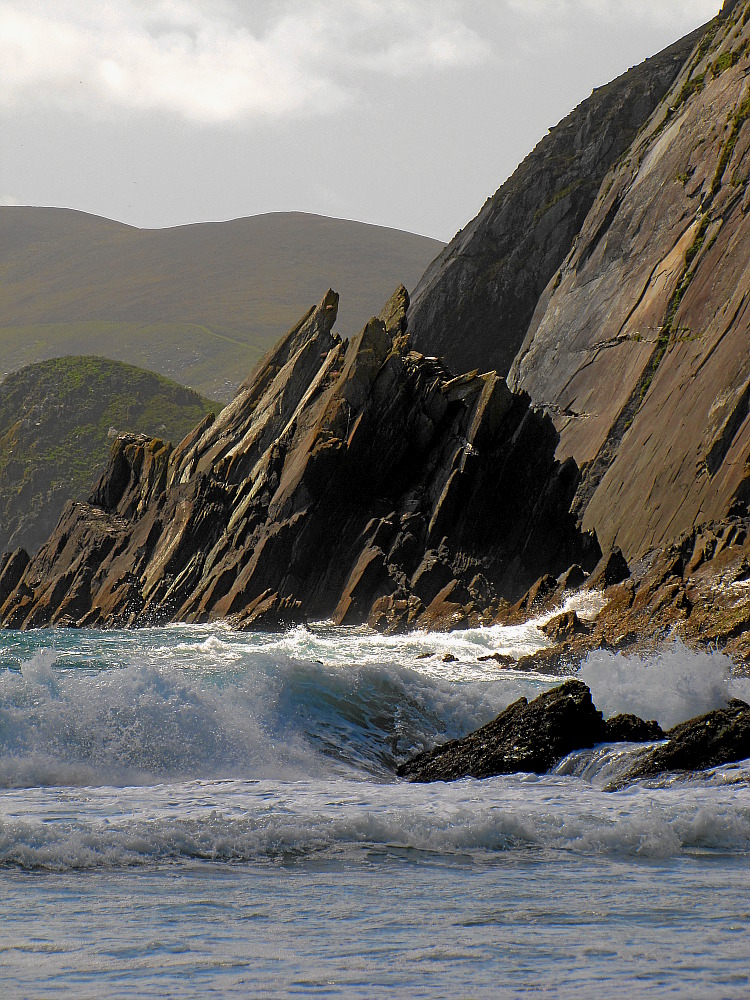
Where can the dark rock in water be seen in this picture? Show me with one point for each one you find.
(565, 626)
(527, 736)
(720, 737)
(502, 658)
(631, 729)
(354, 480)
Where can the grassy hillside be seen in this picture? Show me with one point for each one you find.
(57, 422)
(200, 304)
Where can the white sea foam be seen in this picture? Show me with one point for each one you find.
(240, 821)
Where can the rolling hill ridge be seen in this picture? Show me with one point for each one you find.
(200, 304)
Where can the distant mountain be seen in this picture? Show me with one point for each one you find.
(57, 423)
(200, 304)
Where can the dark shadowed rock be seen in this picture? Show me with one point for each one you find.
(631, 729)
(349, 479)
(611, 569)
(720, 737)
(527, 736)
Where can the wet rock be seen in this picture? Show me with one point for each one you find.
(630, 729)
(720, 737)
(527, 736)
(502, 658)
(564, 626)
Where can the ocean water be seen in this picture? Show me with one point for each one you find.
(189, 812)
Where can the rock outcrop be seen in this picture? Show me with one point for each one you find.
(696, 589)
(348, 479)
(640, 346)
(535, 736)
(720, 737)
(527, 736)
(474, 303)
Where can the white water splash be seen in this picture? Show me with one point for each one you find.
(671, 685)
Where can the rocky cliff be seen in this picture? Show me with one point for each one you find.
(474, 303)
(357, 480)
(639, 346)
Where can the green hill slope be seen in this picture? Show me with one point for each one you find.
(57, 421)
(200, 304)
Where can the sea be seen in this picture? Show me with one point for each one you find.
(192, 811)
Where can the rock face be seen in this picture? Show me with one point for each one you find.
(696, 589)
(640, 347)
(527, 736)
(474, 303)
(720, 737)
(535, 736)
(353, 479)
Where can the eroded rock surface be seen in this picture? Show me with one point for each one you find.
(348, 479)
(640, 347)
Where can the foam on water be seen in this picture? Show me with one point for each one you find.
(246, 821)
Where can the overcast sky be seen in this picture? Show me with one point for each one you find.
(403, 113)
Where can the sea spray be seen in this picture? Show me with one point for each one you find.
(670, 685)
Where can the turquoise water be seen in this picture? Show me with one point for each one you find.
(191, 812)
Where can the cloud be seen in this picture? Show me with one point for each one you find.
(8, 201)
(665, 13)
(217, 61)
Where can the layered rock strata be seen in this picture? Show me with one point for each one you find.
(640, 345)
(348, 479)
(474, 303)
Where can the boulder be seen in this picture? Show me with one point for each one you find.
(527, 736)
(720, 737)
(630, 729)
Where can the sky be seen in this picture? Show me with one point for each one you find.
(401, 113)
